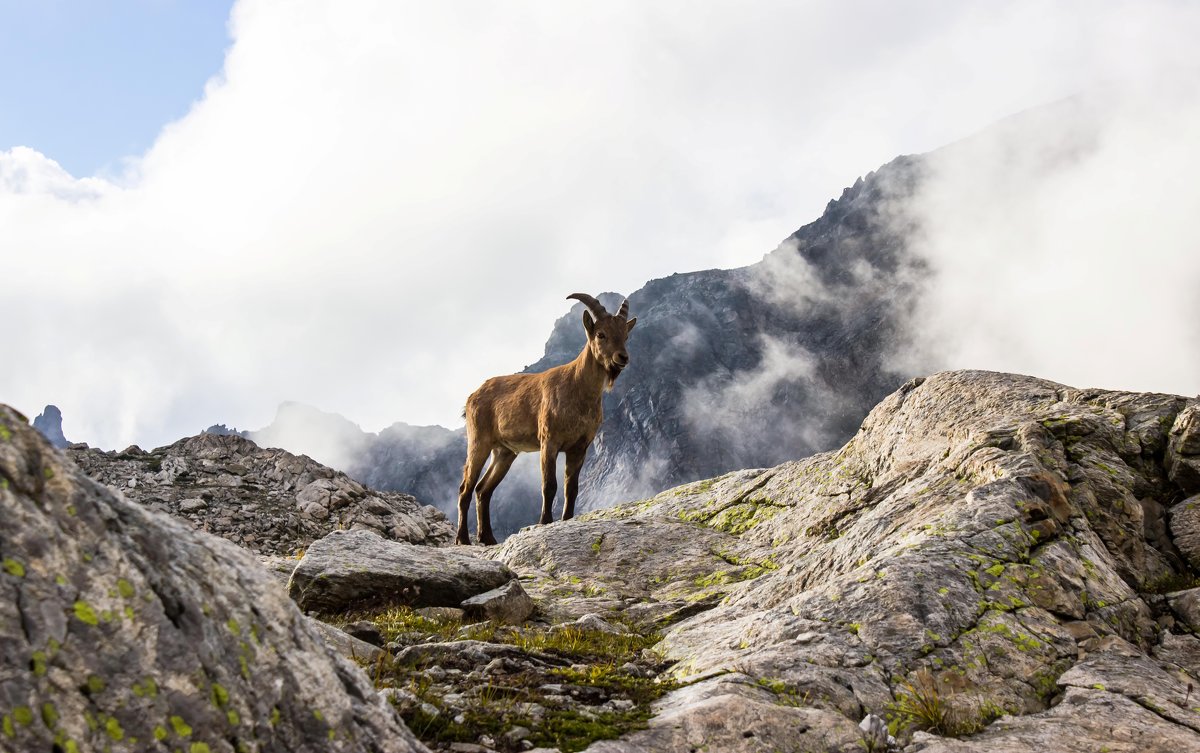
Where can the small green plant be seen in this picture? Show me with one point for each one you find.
(922, 705)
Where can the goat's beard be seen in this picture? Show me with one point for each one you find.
(612, 372)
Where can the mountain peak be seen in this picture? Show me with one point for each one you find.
(49, 423)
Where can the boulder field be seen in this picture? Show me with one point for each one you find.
(264, 499)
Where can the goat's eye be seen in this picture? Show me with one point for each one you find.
(601, 336)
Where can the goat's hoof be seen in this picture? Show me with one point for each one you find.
(463, 540)
(488, 540)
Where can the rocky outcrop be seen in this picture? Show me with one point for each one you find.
(123, 629)
(49, 423)
(1183, 461)
(349, 570)
(268, 500)
(1185, 529)
(996, 548)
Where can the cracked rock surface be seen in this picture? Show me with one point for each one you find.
(1002, 543)
(267, 500)
(122, 629)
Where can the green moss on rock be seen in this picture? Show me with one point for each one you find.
(85, 613)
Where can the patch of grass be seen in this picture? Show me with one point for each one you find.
(921, 705)
(610, 677)
(572, 731)
(397, 623)
(578, 643)
(503, 701)
(589, 665)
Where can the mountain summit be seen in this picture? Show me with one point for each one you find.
(49, 423)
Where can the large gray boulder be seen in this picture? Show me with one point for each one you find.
(350, 570)
(123, 629)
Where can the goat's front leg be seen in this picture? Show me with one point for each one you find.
(549, 482)
(574, 464)
(476, 454)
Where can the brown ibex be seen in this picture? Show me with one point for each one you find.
(558, 410)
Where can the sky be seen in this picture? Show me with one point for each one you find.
(370, 207)
(92, 84)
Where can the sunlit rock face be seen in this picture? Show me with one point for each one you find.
(124, 629)
(1020, 549)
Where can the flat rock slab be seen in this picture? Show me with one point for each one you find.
(359, 569)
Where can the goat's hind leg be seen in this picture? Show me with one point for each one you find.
(476, 454)
(502, 460)
(549, 482)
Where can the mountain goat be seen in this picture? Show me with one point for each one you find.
(558, 410)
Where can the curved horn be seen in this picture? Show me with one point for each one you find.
(598, 311)
(623, 312)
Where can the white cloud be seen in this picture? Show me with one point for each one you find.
(25, 172)
(377, 205)
(1076, 257)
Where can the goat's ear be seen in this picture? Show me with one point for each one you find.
(629, 325)
(588, 324)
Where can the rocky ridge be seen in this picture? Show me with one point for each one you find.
(992, 563)
(1001, 549)
(267, 500)
(122, 629)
